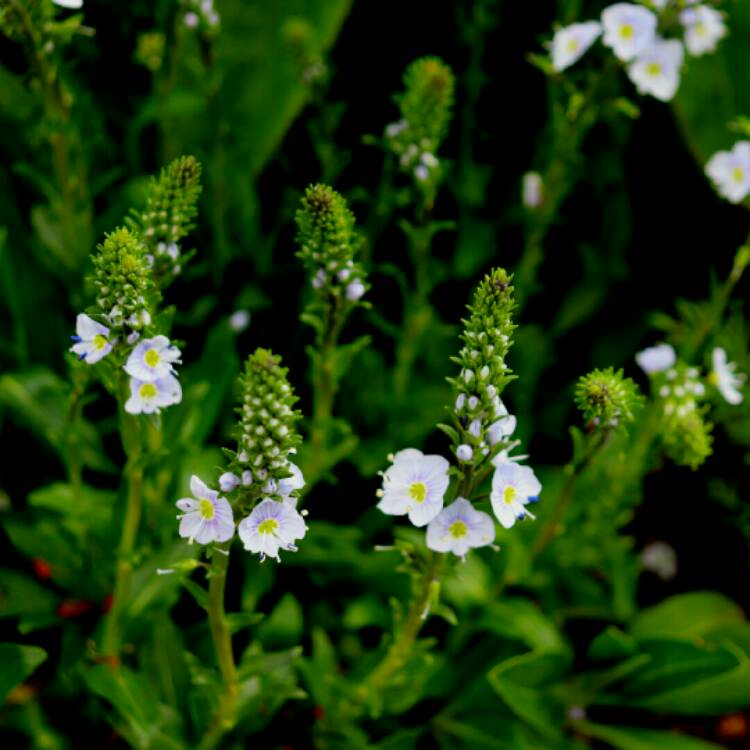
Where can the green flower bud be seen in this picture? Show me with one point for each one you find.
(607, 398)
(487, 337)
(267, 432)
(150, 50)
(328, 243)
(125, 290)
(426, 110)
(687, 439)
(171, 206)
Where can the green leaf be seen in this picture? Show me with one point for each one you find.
(630, 738)
(20, 596)
(691, 615)
(17, 662)
(522, 682)
(523, 620)
(284, 626)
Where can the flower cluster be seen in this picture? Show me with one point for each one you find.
(201, 14)
(416, 484)
(607, 398)
(426, 109)
(328, 244)
(261, 481)
(171, 206)
(730, 172)
(680, 389)
(125, 278)
(631, 31)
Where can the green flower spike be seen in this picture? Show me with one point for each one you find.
(607, 398)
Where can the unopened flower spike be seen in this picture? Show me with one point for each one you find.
(328, 245)
(483, 420)
(426, 109)
(171, 207)
(125, 292)
(607, 398)
(687, 438)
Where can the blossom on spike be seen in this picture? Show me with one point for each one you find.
(704, 29)
(459, 528)
(724, 377)
(415, 484)
(91, 342)
(151, 396)
(629, 29)
(730, 172)
(153, 359)
(271, 526)
(513, 487)
(656, 358)
(206, 517)
(571, 42)
(656, 70)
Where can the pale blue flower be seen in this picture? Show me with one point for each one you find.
(91, 340)
(271, 526)
(460, 527)
(207, 517)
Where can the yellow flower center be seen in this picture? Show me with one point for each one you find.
(458, 529)
(713, 378)
(653, 69)
(148, 390)
(572, 45)
(418, 492)
(268, 526)
(206, 508)
(738, 174)
(509, 494)
(627, 31)
(152, 358)
(700, 29)
(99, 342)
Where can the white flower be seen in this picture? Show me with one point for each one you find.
(459, 527)
(730, 172)
(704, 28)
(628, 29)
(421, 173)
(570, 42)
(354, 291)
(319, 280)
(207, 517)
(725, 378)
(532, 190)
(289, 484)
(191, 20)
(152, 359)
(72, 4)
(228, 481)
(239, 320)
(656, 358)
(502, 429)
(91, 342)
(247, 477)
(415, 484)
(656, 71)
(464, 452)
(660, 558)
(271, 526)
(513, 486)
(151, 396)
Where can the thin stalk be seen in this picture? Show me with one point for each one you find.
(224, 719)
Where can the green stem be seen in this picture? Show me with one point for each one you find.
(111, 642)
(554, 525)
(224, 719)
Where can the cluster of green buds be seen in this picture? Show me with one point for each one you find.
(267, 430)
(685, 431)
(171, 207)
(607, 399)
(125, 291)
(328, 243)
(304, 48)
(484, 425)
(426, 106)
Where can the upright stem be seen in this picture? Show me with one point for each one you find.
(224, 719)
(111, 642)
